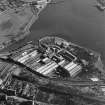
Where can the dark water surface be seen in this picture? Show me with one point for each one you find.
(77, 20)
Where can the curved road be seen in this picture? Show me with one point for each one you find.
(78, 20)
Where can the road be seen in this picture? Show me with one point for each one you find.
(75, 20)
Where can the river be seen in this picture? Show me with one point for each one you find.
(78, 21)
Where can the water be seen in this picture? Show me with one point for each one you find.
(76, 20)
